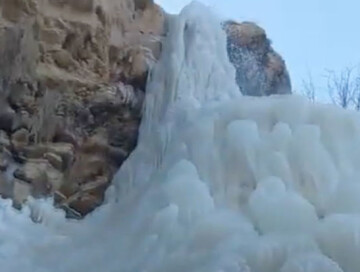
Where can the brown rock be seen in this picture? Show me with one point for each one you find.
(87, 167)
(85, 204)
(63, 59)
(96, 56)
(20, 138)
(42, 177)
(55, 179)
(55, 160)
(138, 61)
(64, 150)
(66, 136)
(52, 36)
(57, 153)
(87, 179)
(246, 34)
(84, 199)
(259, 69)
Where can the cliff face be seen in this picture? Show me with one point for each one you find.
(72, 79)
(259, 69)
(72, 82)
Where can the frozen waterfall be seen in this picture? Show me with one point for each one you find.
(218, 182)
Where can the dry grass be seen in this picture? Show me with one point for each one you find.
(45, 121)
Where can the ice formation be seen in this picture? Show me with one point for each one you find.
(218, 182)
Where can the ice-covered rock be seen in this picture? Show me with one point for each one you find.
(259, 69)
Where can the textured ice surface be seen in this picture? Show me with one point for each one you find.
(218, 182)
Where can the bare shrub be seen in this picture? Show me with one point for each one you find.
(356, 95)
(45, 121)
(342, 87)
(308, 88)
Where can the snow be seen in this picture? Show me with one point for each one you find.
(218, 183)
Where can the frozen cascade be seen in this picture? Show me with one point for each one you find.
(218, 182)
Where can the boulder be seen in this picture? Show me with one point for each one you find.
(55, 161)
(65, 151)
(20, 139)
(41, 176)
(259, 69)
(84, 199)
(63, 59)
(85, 204)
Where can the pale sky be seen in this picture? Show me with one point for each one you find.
(311, 35)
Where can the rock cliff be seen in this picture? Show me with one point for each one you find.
(72, 80)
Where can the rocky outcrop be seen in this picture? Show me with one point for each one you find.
(72, 79)
(259, 69)
(72, 82)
